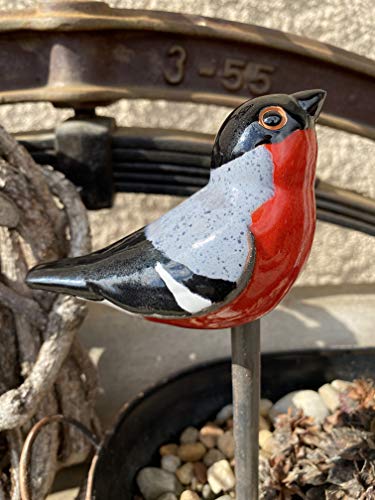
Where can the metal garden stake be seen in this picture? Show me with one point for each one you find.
(224, 257)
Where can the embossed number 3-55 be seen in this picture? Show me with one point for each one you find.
(238, 73)
(176, 72)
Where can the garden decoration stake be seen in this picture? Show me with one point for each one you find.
(224, 257)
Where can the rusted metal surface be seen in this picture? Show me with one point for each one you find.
(75, 53)
(84, 155)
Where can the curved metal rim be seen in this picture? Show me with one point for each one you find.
(74, 18)
(55, 16)
(90, 93)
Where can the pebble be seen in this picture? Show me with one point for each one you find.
(340, 385)
(189, 495)
(206, 491)
(189, 436)
(309, 401)
(266, 441)
(330, 396)
(212, 456)
(220, 476)
(185, 473)
(153, 482)
(204, 461)
(224, 414)
(170, 463)
(191, 452)
(195, 485)
(225, 443)
(168, 449)
(168, 496)
(209, 434)
(200, 472)
(265, 406)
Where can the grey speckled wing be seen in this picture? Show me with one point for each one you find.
(208, 233)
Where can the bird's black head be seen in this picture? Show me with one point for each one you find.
(265, 120)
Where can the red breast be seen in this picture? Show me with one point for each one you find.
(283, 228)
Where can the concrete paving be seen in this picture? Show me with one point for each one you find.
(133, 354)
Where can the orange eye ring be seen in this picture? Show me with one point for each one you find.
(275, 109)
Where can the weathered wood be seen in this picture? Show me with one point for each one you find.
(43, 368)
(9, 213)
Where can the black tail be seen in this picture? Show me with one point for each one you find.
(63, 276)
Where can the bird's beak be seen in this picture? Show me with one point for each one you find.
(311, 101)
(61, 277)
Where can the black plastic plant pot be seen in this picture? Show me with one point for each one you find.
(192, 397)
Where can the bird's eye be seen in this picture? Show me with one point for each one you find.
(273, 118)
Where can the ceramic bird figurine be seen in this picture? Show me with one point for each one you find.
(228, 254)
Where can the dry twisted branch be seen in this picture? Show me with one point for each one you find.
(43, 368)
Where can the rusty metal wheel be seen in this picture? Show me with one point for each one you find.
(82, 54)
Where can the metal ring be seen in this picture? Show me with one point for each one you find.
(278, 110)
(27, 447)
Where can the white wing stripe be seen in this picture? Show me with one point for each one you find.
(187, 300)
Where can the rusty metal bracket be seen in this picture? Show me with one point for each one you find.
(76, 53)
(84, 155)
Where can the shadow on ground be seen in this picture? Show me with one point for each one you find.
(132, 354)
